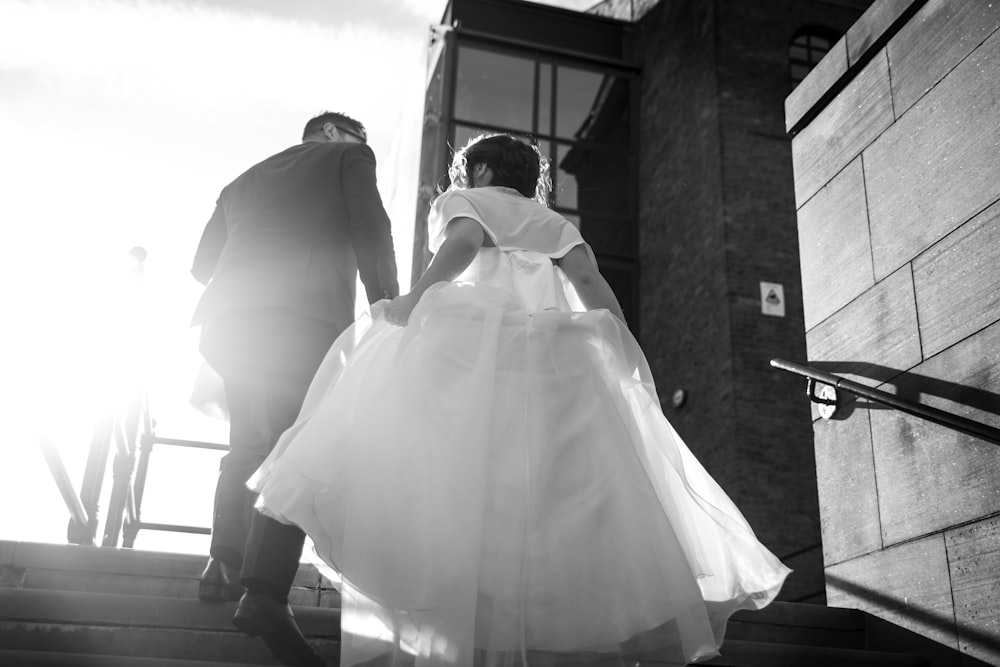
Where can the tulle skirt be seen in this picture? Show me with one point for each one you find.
(497, 487)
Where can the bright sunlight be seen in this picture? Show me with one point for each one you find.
(122, 120)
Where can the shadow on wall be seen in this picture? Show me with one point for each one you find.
(882, 634)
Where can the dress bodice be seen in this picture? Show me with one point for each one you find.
(526, 237)
(532, 277)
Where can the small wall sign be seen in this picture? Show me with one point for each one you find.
(772, 299)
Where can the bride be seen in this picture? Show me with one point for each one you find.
(485, 463)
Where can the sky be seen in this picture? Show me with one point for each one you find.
(120, 122)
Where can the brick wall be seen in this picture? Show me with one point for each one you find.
(717, 217)
(897, 184)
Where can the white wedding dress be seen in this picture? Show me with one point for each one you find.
(496, 482)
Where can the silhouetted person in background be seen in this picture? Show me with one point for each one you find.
(280, 258)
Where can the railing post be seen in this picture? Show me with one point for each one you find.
(93, 480)
(121, 490)
(135, 425)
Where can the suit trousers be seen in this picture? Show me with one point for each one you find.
(267, 359)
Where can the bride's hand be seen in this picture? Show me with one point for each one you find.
(398, 310)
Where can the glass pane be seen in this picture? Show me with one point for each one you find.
(798, 53)
(819, 43)
(592, 180)
(576, 99)
(593, 107)
(545, 99)
(494, 88)
(545, 148)
(575, 219)
(465, 132)
(815, 55)
(564, 188)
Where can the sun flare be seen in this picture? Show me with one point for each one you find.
(121, 122)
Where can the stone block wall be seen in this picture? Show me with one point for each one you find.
(717, 217)
(896, 155)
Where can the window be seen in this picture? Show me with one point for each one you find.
(807, 48)
(579, 115)
(494, 89)
(540, 100)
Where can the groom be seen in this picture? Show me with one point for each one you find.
(280, 258)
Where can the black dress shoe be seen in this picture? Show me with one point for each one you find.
(219, 583)
(262, 616)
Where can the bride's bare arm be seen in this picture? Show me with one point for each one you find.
(463, 239)
(593, 289)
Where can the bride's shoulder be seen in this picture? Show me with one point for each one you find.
(451, 194)
(452, 200)
(454, 197)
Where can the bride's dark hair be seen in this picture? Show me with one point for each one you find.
(515, 164)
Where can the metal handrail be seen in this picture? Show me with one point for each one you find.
(61, 477)
(142, 446)
(121, 506)
(133, 436)
(197, 444)
(926, 412)
(175, 528)
(130, 429)
(93, 482)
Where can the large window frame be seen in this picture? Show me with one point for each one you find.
(619, 260)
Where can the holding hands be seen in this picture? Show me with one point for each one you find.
(398, 310)
(464, 237)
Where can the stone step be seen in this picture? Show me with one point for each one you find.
(162, 643)
(98, 601)
(158, 574)
(764, 654)
(313, 595)
(15, 658)
(71, 557)
(780, 622)
(111, 609)
(800, 615)
(71, 622)
(68, 622)
(132, 572)
(734, 654)
(801, 624)
(789, 634)
(106, 624)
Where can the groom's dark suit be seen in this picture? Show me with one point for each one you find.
(280, 257)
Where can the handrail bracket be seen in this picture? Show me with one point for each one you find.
(825, 397)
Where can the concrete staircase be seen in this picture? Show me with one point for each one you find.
(102, 607)
(97, 607)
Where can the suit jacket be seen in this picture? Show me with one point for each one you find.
(292, 233)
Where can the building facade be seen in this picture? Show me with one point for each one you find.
(897, 184)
